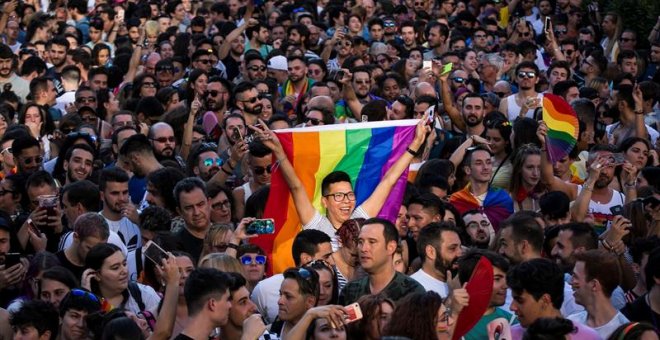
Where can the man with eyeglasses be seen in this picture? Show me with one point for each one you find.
(255, 67)
(217, 98)
(27, 155)
(591, 66)
(259, 163)
(447, 8)
(206, 163)
(201, 59)
(523, 103)
(85, 96)
(569, 47)
(163, 142)
(164, 72)
(7, 160)
(478, 228)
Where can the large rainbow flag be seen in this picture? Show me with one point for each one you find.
(563, 126)
(364, 150)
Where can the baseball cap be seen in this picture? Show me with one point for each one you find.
(278, 63)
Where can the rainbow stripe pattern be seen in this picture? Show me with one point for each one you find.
(563, 126)
(365, 151)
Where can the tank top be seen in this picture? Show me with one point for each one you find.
(247, 190)
(514, 109)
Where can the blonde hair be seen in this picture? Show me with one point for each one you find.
(222, 262)
(151, 27)
(216, 231)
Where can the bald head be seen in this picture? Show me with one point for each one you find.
(502, 86)
(322, 102)
(424, 89)
(162, 140)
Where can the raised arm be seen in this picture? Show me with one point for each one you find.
(186, 142)
(457, 156)
(236, 154)
(333, 313)
(547, 175)
(167, 314)
(9, 7)
(640, 127)
(223, 51)
(330, 44)
(447, 100)
(304, 207)
(348, 93)
(581, 206)
(375, 202)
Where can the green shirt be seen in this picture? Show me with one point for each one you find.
(400, 286)
(479, 330)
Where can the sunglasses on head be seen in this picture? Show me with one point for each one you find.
(209, 162)
(523, 74)
(248, 260)
(259, 170)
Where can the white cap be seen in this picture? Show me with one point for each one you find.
(278, 63)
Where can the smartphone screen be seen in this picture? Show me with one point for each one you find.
(547, 24)
(617, 210)
(155, 253)
(12, 259)
(354, 312)
(261, 227)
(447, 68)
(236, 135)
(427, 64)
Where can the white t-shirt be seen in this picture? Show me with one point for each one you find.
(265, 296)
(430, 283)
(605, 330)
(128, 231)
(601, 212)
(610, 129)
(150, 298)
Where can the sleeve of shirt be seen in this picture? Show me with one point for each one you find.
(359, 212)
(317, 223)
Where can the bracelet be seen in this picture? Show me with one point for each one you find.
(410, 151)
(587, 188)
(232, 246)
(606, 245)
(229, 164)
(630, 185)
(225, 171)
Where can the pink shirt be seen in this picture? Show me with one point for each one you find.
(582, 332)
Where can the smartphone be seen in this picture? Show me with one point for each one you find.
(617, 210)
(431, 113)
(447, 68)
(340, 74)
(354, 312)
(236, 135)
(652, 201)
(618, 158)
(345, 29)
(547, 24)
(120, 15)
(155, 253)
(33, 227)
(261, 227)
(427, 64)
(12, 259)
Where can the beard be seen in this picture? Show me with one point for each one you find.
(206, 176)
(443, 266)
(256, 110)
(472, 120)
(161, 156)
(69, 176)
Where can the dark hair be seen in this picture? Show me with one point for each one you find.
(83, 192)
(121, 328)
(164, 180)
(201, 285)
(389, 230)
(418, 309)
(306, 285)
(307, 241)
(188, 185)
(23, 142)
(631, 331)
(59, 274)
(584, 235)
(528, 64)
(562, 87)
(524, 130)
(333, 177)
(537, 277)
(115, 175)
(549, 329)
(524, 228)
(429, 202)
(431, 235)
(468, 261)
(652, 270)
(138, 143)
(554, 205)
(602, 266)
(40, 178)
(39, 314)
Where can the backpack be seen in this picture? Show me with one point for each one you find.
(134, 291)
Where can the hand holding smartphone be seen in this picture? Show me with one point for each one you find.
(261, 227)
(354, 313)
(155, 253)
(12, 259)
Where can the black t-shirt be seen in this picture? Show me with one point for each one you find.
(189, 243)
(183, 337)
(232, 66)
(76, 270)
(640, 311)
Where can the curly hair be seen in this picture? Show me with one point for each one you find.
(419, 309)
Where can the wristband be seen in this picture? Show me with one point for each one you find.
(225, 171)
(410, 151)
(229, 164)
(232, 246)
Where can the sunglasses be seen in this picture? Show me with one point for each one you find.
(313, 121)
(165, 69)
(213, 93)
(148, 84)
(259, 170)
(458, 79)
(252, 100)
(29, 160)
(568, 52)
(500, 94)
(170, 139)
(257, 68)
(529, 75)
(627, 40)
(564, 31)
(204, 61)
(209, 162)
(4, 192)
(86, 100)
(483, 223)
(248, 260)
(480, 36)
(221, 205)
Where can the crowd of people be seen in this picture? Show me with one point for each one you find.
(127, 125)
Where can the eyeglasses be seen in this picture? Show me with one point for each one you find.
(119, 124)
(4, 192)
(6, 150)
(209, 162)
(525, 34)
(86, 100)
(214, 93)
(89, 119)
(259, 170)
(170, 139)
(568, 52)
(480, 36)
(449, 3)
(584, 42)
(340, 196)
(165, 69)
(313, 121)
(627, 40)
(564, 31)
(389, 24)
(220, 247)
(344, 43)
(148, 84)
(204, 61)
(247, 260)
(500, 94)
(529, 75)
(251, 100)
(257, 68)
(29, 160)
(221, 205)
(458, 79)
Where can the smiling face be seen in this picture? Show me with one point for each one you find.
(338, 211)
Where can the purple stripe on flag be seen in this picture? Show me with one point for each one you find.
(403, 135)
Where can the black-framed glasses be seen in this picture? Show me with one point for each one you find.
(256, 68)
(29, 160)
(209, 162)
(340, 196)
(313, 121)
(213, 93)
(500, 94)
(204, 61)
(247, 260)
(259, 170)
(221, 205)
(170, 139)
(86, 100)
(560, 31)
(568, 52)
(529, 74)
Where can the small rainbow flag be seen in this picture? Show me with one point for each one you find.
(365, 151)
(563, 126)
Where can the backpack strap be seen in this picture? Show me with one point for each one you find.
(134, 291)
